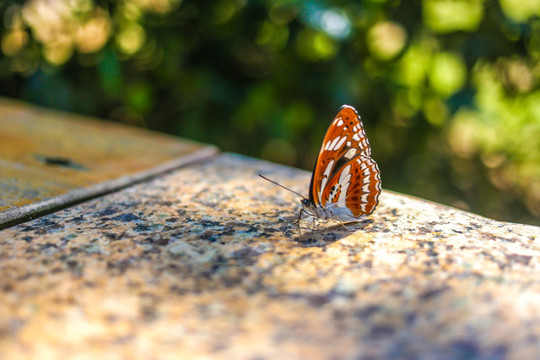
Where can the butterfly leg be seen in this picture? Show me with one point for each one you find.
(303, 211)
(297, 222)
(342, 224)
(299, 217)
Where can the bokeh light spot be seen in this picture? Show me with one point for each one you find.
(273, 36)
(414, 64)
(448, 73)
(93, 35)
(130, 38)
(386, 40)
(157, 6)
(436, 112)
(14, 41)
(446, 16)
(59, 52)
(520, 10)
(335, 24)
(517, 75)
(224, 11)
(316, 46)
(463, 135)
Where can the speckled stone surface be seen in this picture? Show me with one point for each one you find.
(206, 262)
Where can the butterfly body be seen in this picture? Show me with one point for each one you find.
(346, 181)
(331, 212)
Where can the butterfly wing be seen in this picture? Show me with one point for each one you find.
(345, 175)
(354, 190)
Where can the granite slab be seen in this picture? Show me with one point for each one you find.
(206, 263)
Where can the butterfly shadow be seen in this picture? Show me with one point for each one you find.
(322, 233)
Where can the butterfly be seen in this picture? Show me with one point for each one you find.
(346, 181)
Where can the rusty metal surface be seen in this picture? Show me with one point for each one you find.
(50, 159)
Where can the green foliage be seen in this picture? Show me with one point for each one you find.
(448, 89)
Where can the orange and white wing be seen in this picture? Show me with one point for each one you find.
(345, 175)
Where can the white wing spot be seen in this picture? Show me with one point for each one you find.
(365, 188)
(325, 177)
(344, 182)
(364, 198)
(356, 137)
(327, 145)
(340, 143)
(333, 144)
(340, 122)
(350, 153)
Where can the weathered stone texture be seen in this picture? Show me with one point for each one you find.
(206, 262)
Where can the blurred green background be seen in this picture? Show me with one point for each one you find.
(448, 89)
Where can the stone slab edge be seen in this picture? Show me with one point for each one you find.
(18, 215)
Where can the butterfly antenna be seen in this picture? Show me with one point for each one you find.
(286, 188)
